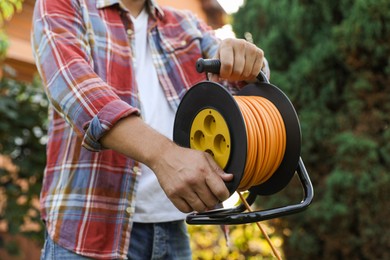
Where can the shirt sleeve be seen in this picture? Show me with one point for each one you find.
(63, 58)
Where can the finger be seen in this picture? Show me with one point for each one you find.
(215, 181)
(250, 62)
(214, 77)
(182, 205)
(185, 197)
(239, 60)
(226, 56)
(225, 176)
(258, 64)
(195, 202)
(206, 195)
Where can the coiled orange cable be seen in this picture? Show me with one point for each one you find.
(266, 145)
(266, 139)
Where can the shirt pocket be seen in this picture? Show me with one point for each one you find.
(182, 49)
(179, 42)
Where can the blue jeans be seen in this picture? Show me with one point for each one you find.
(160, 241)
(157, 241)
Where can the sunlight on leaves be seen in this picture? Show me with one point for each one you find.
(246, 242)
(8, 8)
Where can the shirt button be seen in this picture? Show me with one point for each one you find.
(136, 170)
(183, 43)
(129, 31)
(128, 210)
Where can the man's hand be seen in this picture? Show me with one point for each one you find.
(191, 179)
(240, 60)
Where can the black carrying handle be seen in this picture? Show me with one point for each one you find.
(214, 66)
(235, 216)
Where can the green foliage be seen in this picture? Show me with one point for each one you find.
(245, 242)
(12, 248)
(332, 58)
(8, 8)
(3, 45)
(23, 113)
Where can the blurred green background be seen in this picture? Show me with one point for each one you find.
(332, 59)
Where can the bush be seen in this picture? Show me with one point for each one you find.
(23, 113)
(332, 59)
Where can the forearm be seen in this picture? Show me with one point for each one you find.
(132, 137)
(191, 179)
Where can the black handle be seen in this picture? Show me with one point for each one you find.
(208, 65)
(234, 215)
(214, 66)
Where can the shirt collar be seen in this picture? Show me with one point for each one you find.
(154, 8)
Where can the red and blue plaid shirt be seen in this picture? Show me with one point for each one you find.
(83, 50)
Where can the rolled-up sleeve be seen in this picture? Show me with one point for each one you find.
(62, 51)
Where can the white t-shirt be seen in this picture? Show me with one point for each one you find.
(152, 205)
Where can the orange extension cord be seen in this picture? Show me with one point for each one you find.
(266, 140)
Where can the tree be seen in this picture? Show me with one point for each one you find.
(332, 59)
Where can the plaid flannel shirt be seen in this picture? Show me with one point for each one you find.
(83, 50)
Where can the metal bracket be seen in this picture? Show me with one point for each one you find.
(238, 216)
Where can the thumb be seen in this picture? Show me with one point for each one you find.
(214, 77)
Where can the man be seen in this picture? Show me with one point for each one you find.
(114, 72)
